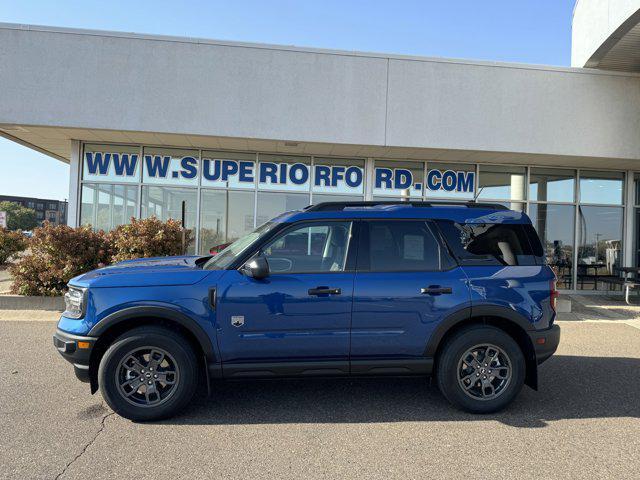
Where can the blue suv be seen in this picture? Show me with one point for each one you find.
(458, 292)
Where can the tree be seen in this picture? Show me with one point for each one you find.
(19, 217)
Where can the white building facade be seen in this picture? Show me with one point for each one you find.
(237, 133)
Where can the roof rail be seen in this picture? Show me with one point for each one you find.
(337, 206)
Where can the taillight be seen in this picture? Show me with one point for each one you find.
(553, 294)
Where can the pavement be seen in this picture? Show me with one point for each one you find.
(583, 422)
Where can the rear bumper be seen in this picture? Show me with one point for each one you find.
(75, 349)
(545, 342)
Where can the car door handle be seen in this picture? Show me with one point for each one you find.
(324, 291)
(435, 290)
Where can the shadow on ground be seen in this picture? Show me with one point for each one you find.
(570, 388)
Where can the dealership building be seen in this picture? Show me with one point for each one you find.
(237, 133)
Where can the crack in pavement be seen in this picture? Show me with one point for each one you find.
(84, 449)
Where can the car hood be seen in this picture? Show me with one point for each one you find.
(145, 272)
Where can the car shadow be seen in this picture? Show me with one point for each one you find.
(571, 387)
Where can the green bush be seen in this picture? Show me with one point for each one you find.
(10, 244)
(19, 217)
(56, 255)
(145, 238)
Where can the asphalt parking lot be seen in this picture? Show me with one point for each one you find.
(584, 422)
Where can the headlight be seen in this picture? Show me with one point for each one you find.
(74, 302)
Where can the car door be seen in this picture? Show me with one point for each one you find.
(295, 321)
(404, 286)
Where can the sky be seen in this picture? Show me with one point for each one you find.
(526, 31)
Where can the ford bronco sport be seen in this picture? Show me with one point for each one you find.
(458, 292)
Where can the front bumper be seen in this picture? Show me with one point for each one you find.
(75, 349)
(545, 342)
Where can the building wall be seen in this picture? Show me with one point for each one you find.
(594, 22)
(46, 209)
(102, 80)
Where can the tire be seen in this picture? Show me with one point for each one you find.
(462, 380)
(128, 366)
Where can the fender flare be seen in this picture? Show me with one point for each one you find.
(467, 313)
(165, 313)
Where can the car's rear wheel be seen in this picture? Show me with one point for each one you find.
(480, 369)
(148, 373)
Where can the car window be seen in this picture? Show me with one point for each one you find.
(232, 251)
(311, 247)
(397, 246)
(493, 243)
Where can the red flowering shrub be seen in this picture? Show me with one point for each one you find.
(10, 244)
(59, 253)
(56, 255)
(145, 238)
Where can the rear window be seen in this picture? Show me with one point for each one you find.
(493, 243)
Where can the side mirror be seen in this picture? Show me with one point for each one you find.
(257, 268)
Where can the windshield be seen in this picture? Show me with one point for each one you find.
(226, 257)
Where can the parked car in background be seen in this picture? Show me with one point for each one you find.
(460, 292)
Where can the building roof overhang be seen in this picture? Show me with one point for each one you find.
(61, 85)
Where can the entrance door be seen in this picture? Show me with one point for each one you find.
(405, 284)
(295, 321)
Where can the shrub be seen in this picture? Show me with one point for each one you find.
(56, 255)
(19, 217)
(59, 253)
(149, 237)
(10, 244)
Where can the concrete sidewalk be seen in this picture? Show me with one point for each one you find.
(29, 315)
(602, 308)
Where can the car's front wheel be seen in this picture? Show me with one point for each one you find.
(148, 373)
(481, 369)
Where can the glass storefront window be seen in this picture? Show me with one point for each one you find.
(103, 214)
(338, 175)
(451, 194)
(167, 166)
(224, 217)
(515, 206)
(166, 202)
(396, 199)
(106, 206)
(323, 197)
(398, 179)
(636, 186)
(213, 219)
(552, 185)
(555, 226)
(284, 173)
(238, 191)
(501, 182)
(111, 163)
(601, 187)
(228, 170)
(273, 204)
(87, 206)
(599, 244)
(240, 214)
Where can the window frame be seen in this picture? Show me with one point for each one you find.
(445, 260)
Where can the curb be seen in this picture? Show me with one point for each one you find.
(19, 302)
